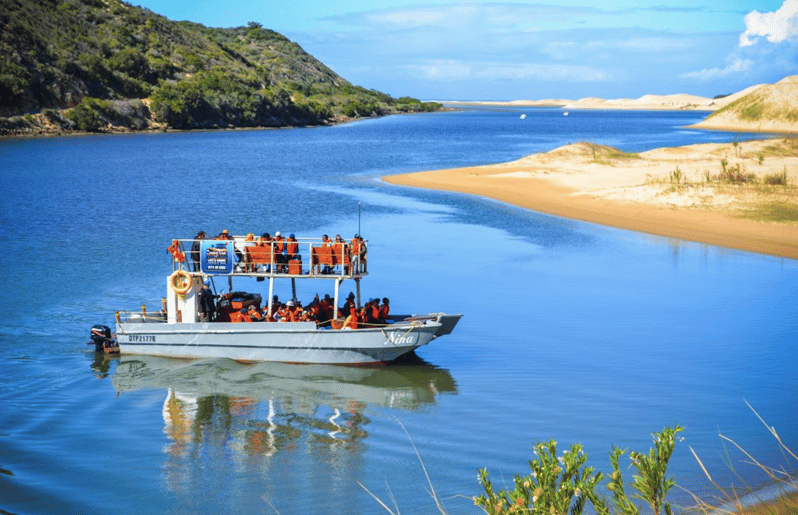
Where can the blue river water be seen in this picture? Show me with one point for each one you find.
(572, 331)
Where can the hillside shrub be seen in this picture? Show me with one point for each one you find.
(84, 117)
(776, 178)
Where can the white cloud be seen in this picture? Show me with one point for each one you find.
(734, 67)
(442, 70)
(777, 26)
(647, 45)
(453, 70)
(480, 17)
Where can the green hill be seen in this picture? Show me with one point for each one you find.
(97, 65)
(770, 107)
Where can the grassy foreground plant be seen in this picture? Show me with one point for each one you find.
(651, 482)
(561, 485)
(557, 485)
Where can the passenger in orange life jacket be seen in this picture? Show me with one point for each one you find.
(265, 241)
(292, 248)
(358, 251)
(349, 304)
(312, 313)
(279, 242)
(290, 313)
(245, 316)
(351, 319)
(354, 247)
(385, 309)
(240, 248)
(254, 314)
(374, 312)
(339, 250)
(370, 312)
(363, 315)
(326, 309)
(326, 242)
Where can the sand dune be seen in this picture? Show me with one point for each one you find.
(668, 191)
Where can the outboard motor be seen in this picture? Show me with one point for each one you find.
(101, 338)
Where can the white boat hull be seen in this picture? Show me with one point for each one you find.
(299, 342)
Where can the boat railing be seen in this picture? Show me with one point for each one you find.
(303, 257)
(142, 316)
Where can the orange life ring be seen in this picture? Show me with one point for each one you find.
(181, 282)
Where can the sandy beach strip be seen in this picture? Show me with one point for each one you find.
(633, 193)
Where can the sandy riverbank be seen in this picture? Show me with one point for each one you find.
(672, 192)
(646, 102)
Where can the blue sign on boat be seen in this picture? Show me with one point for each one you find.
(216, 257)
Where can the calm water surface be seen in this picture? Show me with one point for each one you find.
(572, 331)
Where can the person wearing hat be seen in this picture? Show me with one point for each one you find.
(291, 313)
(207, 305)
(254, 314)
(224, 235)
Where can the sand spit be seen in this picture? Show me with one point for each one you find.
(672, 192)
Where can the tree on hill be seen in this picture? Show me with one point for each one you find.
(92, 64)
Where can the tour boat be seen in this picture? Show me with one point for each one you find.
(177, 330)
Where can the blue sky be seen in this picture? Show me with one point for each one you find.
(475, 50)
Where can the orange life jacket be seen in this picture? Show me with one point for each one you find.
(351, 320)
(292, 315)
(174, 249)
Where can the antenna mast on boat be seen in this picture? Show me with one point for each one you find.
(358, 217)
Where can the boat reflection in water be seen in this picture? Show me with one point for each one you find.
(264, 408)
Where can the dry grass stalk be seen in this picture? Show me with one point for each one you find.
(731, 503)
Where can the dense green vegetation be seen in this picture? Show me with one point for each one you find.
(95, 64)
(759, 106)
(564, 484)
